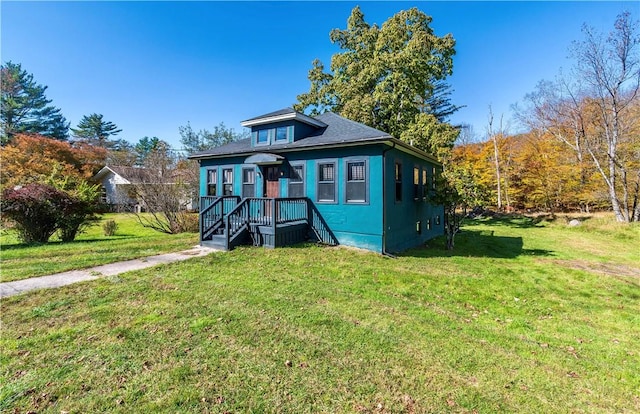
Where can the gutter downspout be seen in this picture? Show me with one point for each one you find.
(384, 201)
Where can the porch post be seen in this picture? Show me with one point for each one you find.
(273, 216)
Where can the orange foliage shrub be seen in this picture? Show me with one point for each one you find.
(34, 158)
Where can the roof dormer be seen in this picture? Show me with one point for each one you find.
(281, 127)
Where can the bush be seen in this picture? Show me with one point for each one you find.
(80, 213)
(191, 223)
(38, 210)
(35, 209)
(75, 217)
(110, 227)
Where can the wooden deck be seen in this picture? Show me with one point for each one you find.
(227, 222)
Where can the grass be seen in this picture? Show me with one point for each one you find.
(93, 248)
(521, 317)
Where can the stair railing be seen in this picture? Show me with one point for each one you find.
(213, 211)
(236, 221)
(319, 227)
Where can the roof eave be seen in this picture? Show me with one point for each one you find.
(284, 117)
(387, 140)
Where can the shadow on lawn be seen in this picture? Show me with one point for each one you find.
(477, 243)
(522, 222)
(508, 220)
(16, 246)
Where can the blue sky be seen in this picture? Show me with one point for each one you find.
(151, 67)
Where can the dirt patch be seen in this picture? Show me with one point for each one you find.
(609, 269)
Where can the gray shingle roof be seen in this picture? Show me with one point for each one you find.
(338, 131)
(271, 114)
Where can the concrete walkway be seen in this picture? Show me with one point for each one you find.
(74, 276)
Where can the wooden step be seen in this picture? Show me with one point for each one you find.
(217, 241)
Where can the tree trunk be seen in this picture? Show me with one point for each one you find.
(496, 158)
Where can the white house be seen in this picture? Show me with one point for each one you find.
(119, 188)
(116, 183)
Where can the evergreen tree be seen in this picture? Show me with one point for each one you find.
(391, 78)
(146, 146)
(25, 107)
(93, 129)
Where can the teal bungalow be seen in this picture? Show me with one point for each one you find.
(323, 178)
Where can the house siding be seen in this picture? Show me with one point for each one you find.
(116, 190)
(236, 163)
(374, 219)
(295, 130)
(358, 225)
(402, 217)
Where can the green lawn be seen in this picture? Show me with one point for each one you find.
(521, 317)
(92, 248)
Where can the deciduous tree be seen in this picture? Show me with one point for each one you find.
(594, 112)
(165, 187)
(33, 158)
(204, 139)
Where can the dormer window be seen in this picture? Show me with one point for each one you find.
(281, 127)
(281, 134)
(263, 136)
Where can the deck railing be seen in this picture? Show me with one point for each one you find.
(213, 211)
(236, 221)
(239, 215)
(289, 210)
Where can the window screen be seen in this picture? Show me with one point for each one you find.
(398, 171)
(212, 182)
(263, 136)
(433, 178)
(227, 181)
(356, 188)
(281, 134)
(424, 183)
(327, 182)
(248, 182)
(296, 181)
(416, 183)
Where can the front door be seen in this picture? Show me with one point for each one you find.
(272, 185)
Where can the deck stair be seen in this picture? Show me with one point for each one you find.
(227, 222)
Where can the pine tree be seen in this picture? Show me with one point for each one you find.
(25, 107)
(94, 130)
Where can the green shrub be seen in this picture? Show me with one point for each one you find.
(80, 213)
(110, 227)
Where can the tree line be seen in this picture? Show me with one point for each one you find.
(47, 166)
(581, 150)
